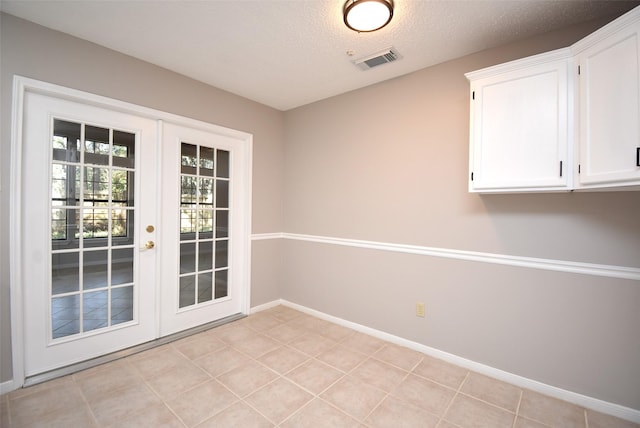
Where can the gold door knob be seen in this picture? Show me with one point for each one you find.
(149, 245)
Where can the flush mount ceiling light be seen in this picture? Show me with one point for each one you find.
(367, 15)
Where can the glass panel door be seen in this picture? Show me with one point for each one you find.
(89, 285)
(202, 276)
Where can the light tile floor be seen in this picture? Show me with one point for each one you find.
(283, 368)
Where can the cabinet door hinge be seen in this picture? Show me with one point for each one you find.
(560, 168)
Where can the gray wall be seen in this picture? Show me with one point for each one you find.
(36, 52)
(390, 163)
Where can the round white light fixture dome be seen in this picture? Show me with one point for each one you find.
(367, 15)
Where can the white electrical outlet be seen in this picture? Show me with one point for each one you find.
(420, 309)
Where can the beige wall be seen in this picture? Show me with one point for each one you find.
(36, 52)
(390, 163)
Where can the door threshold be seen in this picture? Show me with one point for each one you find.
(87, 364)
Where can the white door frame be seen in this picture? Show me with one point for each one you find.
(21, 85)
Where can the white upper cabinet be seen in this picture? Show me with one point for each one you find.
(609, 105)
(539, 126)
(519, 125)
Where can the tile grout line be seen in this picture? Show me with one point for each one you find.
(515, 420)
(86, 403)
(453, 398)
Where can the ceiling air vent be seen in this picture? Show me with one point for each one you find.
(378, 58)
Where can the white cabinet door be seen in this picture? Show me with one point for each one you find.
(520, 125)
(609, 99)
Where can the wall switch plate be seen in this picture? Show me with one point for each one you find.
(420, 309)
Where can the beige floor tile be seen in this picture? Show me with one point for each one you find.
(527, 423)
(441, 371)
(335, 332)
(256, 346)
(445, 424)
(468, 412)
(320, 414)
(99, 382)
(312, 323)
(551, 411)
(363, 343)
(354, 397)
(261, 321)
(156, 416)
(424, 394)
(123, 403)
(285, 333)
(247, 378)
(61, 382)
(221, 361)
(278, 400)
(236, 416)
(30, 409)
(283, 359)
(156, 361)
(4, 411)
(198, 345)
(399, 356)
(233, 333)
(201, 402)
(600, 420)
(285, 313)
(179, 378)
(393, 413)
(312, 344)
(314, 376)
(493, 391)
(77, 417)
(342, 358)
(378, 374)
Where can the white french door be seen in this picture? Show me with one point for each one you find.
(88, 184)
(202, 216)
(131, 229)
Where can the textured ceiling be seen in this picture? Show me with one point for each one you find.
(287, 53)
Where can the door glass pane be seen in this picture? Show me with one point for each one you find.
(222, 224)
(94, 310)
(187, 291)
(222, 286)
(205, 256)
(95, 269)
(96, 145)
(121, 305)
(187, 257)
(92, 210)
(65, 312)
(222, 249)
(204, 208)
(122, 266)
(222, 194)
(65, 272)
(204, 287)
(222, 163)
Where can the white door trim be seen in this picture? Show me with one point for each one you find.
(21, 85)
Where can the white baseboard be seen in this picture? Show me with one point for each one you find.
(552, 391)
(6, 387)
